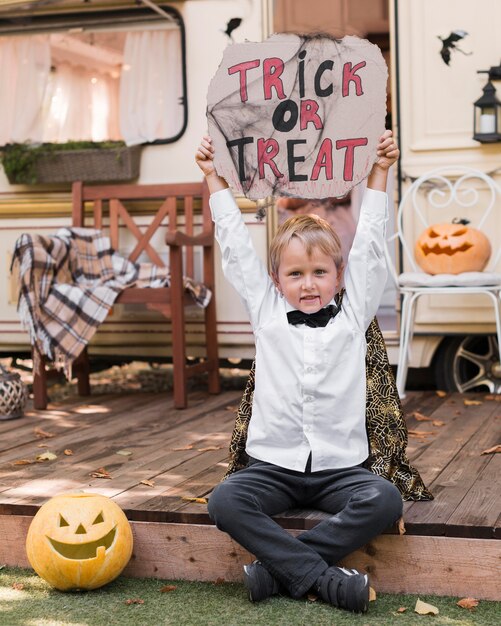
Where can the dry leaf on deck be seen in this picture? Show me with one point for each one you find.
(197, 500)
(167, 588)
(420, 417)
(438, 423)
(210, 448)
(124, 452)
(440, 393)
(491, 396)
(134, 601)
(467, 603)
(42, 434)
(421, 433)
(190, 447)
(372, 594)
(68, 452)
(401, 526)
(494, 450)
(43, 445)
(402, 609)
(18, 586)
(46, 456)
(23, 462)
(101, 473)
(231, 408)
(423, 608)
(148, 483)
(472, 402)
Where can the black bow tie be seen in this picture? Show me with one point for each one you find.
(313, 320)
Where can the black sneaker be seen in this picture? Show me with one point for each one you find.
(259, 582)
(345, 588)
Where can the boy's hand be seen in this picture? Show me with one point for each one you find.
(387, 151)
(204, 156)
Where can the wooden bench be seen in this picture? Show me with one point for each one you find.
(176, 209)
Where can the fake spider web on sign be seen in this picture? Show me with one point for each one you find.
(297, 115)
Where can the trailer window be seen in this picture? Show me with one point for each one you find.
(97, 80)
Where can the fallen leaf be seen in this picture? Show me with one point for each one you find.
(467, 603)
(420, 417)
(42, 434)
(495, 397)
(372, 594)
(421, 433)
(219, 581)
(311, 597)
(134, 601)
(401, 526)
(197, 500)
(402, 609)
(168, 588)
(231, 407)
(494, 450)
(123, 452)
(209, 448)
(440, 394)
(68, 452)
(101, 473)
(190, 447)
(148, 483)
(18, 586)
(43, 445)
(46, 456)
(423, 608)
(472, 402)
(24, 462)
(438, 423)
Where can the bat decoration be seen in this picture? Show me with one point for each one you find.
(449, 43)
(232, 25)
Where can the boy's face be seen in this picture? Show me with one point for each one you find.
(308, 283)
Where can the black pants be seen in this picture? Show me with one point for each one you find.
(362, 506)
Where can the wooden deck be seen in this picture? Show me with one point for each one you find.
(451, 546)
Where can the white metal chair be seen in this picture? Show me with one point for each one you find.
(439, 196)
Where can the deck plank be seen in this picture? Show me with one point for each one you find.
(456, 473)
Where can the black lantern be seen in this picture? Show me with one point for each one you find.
(487, 116)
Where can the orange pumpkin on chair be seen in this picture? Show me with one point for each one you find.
(452, 249)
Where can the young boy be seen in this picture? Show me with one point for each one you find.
(307, 439)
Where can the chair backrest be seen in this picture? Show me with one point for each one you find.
(444, 195)
(115, 208)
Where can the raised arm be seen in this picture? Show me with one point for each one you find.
(241, 265)
(365, 276)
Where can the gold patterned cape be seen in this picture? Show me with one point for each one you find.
(386, 427)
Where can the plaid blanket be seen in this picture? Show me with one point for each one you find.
(68, 282)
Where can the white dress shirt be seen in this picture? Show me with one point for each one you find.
(310, 390)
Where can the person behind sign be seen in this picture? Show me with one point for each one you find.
(307, 439)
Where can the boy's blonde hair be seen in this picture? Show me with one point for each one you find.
(313, 232)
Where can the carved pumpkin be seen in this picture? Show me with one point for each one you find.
(452, 249)
(79, 541)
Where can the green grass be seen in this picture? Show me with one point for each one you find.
(206, 604)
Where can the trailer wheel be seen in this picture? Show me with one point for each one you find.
(469, 363)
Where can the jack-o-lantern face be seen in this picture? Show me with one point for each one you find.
(452, 249)
(79, 541)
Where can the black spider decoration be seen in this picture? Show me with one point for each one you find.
(449, 43)
(233, 24)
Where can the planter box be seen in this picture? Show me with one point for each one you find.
(88, 165)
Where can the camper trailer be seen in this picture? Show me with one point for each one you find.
(137, 72)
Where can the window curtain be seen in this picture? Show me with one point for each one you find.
(151, 86)
(80, 104)
(24, 72)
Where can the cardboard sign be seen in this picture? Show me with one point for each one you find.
(297, 115)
